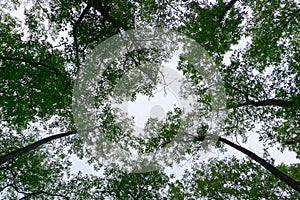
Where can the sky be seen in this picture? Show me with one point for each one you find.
(160, 104)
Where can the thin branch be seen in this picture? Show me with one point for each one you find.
(247, 94)
(292, 142)
(36, 64)
(33, 63)
(45, 193)
(3, 188)
(75, 28)
(27, 194)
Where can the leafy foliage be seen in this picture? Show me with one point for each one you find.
(232, 179)
(41, 57)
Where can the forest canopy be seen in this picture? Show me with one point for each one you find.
(239, 60)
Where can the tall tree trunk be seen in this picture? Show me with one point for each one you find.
(279, 174)
(288, 180)
(12, 155)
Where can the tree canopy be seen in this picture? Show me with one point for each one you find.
(47, 47)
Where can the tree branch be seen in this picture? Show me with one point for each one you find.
(75, 28)
(33, 63)
(36, 64)
(227, 8)
(267, 102)
(104, 10)
(292, 142)
(27, 194)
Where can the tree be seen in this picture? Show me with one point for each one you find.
(232, 178)
(37, 77)
(122, 185)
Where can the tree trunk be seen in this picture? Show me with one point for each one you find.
(12, 155)
(288, 180)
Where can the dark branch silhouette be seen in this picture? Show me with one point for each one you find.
(20, 151)
(292, 142)
(75, 28)
(27, 194)
(267, 102)
(36, 64)
(104, 11)
(33, 63)
(227, 8)
(277, 173)
(259, 103)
